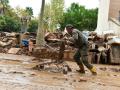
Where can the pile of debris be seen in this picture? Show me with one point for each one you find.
(52, 48)
(102, 48)
(43, 52)
(52, 53)
(12, 42)
(8, 40)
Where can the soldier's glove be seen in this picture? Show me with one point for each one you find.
(69, 43)
(65, 38)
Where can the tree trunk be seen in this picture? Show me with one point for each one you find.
(3, 6)
(40, 33)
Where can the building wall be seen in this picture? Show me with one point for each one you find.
(114, 13)
(114, 9)
(103, 13)
(115, 28)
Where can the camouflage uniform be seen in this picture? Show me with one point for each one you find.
(81, 43)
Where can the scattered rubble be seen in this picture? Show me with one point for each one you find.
(11, 43)
(104, 69)
(82, 80)
(115, 69)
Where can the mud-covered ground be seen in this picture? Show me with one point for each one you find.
(17, 74)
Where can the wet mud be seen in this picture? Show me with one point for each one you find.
(20, 75)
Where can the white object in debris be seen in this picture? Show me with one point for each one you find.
(101, 48)
(114, 40)
(13, 50)
(5, 43)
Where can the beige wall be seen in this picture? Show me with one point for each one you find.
(114, 9)
(102, 23)
(114, 28)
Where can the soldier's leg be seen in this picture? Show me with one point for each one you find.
(84, 58)
(79, 62)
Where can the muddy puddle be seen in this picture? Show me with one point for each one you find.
(20, 75)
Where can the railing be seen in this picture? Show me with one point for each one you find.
(115, 21)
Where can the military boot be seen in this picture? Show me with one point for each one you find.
(81, 70)
(93, 71)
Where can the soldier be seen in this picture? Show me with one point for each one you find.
(81, 44)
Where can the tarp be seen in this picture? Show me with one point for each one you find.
(115, 40)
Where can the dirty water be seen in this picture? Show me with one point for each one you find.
(19, 75)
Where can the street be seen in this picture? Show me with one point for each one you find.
(18, 74)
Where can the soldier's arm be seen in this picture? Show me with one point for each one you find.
(74, 37)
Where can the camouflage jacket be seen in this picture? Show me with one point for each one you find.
(78, 39)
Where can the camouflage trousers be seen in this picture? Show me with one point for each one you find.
(81, 57)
